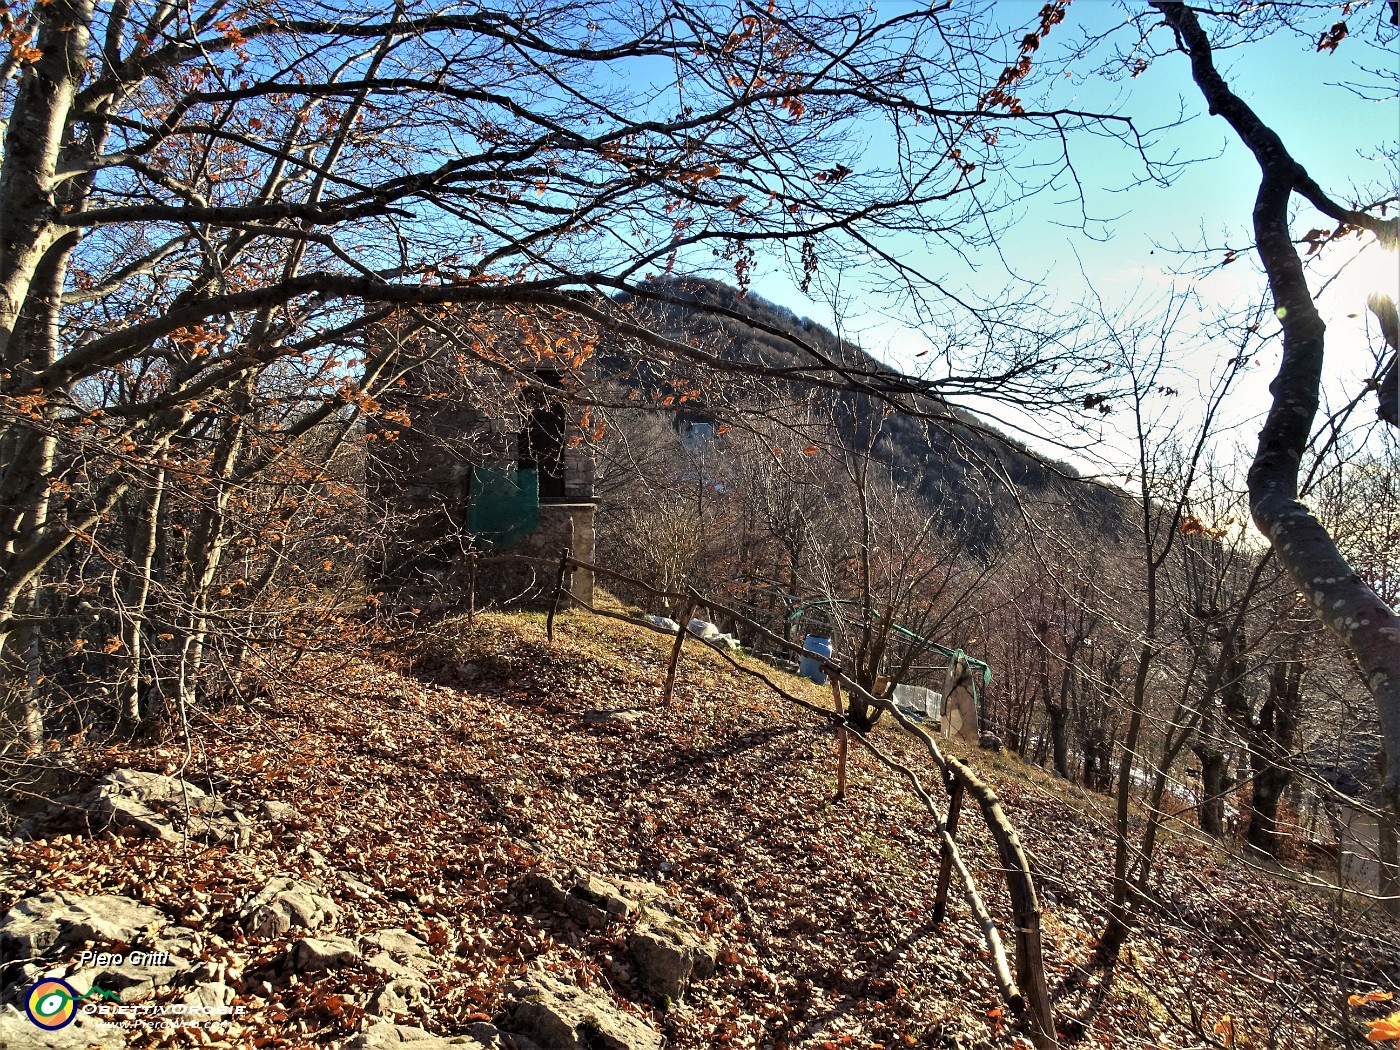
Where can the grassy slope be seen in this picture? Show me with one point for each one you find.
(432, 787)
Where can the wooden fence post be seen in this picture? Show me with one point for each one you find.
(945, 863)
(1030, 976)
(676, 654)
(471, 588)
(842, 743)
(558, 593)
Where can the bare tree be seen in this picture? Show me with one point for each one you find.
(1369, 626)
(194, 197)
(896, 573)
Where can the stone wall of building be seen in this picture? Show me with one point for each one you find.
(476, 485)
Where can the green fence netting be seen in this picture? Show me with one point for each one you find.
(505, 506)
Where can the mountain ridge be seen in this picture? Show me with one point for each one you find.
(942, 451)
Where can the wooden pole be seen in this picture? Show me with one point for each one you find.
(676, 654)
(842, 743)
(1030, 976)
(558, 593)
(471, 588)
(945, 863)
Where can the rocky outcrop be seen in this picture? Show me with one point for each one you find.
(404, 962)
(315, 954)
(282, 813)
(127, 949)
(396, 953)
(92, 940)
(163, 807)
(399, 997)
(589, 900)
(560, 1016)
(668, 953)
(61, 918)
(209, 995)
(286, 902)
(406, 1037)
(17, 1032)
(53, 924)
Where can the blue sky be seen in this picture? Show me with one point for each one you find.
(1127, 249)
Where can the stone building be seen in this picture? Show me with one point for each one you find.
(478, 476)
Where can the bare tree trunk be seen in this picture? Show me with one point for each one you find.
(22, 714)
(1271, 744)
(1388, 883)
(27, 488)
(1263, 832)
(1215, 763)
(1059, 747)
(1339, 597)
(137, 599)
(21, 705)
(1214, 767)
(1119, 923)
(211, 540)
(1055, 711)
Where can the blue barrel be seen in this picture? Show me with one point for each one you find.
(811, 666)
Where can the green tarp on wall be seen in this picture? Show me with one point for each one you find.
(505, 506)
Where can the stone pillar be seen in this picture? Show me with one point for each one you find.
(583, 549)
(959, 707)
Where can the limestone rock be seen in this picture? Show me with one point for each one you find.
(400, 997)
(285, 902)
(18, 1033)
(210, 995)
(314, 954)
(398, 942)
(491, 1039)
(397, 953)
(668, 953)
(133, 982)
(356, 888)
(56, 924)
(398, 1036)
(560, 1016)
(587, 899)
(21, 975)
(282, 813)
(154, 787)
(40, 922)
(122, 812)
(163, 807)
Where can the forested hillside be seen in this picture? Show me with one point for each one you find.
(341, 344)
(1144, 616)
(427, 845)
(976, 475)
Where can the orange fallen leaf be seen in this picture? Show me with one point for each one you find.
(1384, 1029)
(1376, 996)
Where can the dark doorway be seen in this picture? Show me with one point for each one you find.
(542, 445)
